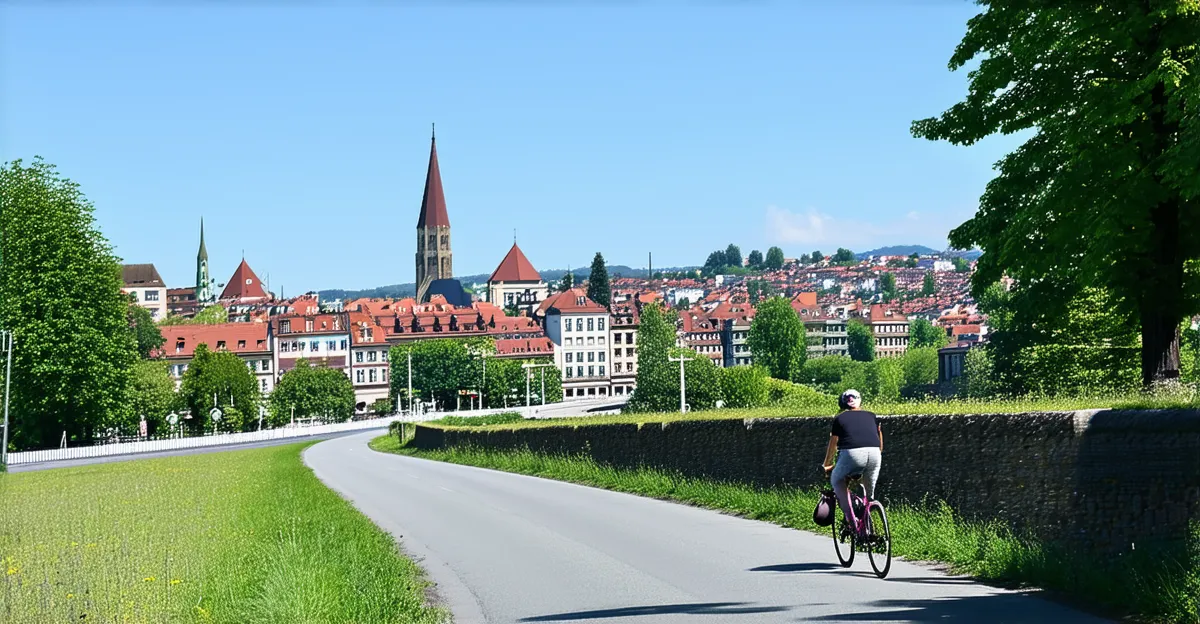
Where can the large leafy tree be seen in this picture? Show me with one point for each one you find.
(440, 368)
(60, 295)
(702, 377)
(755, 258)
(844, 256)
(733, 255)
(214, 314)
(567, 282)
(860, 341)
(312, 392)
(774, 260)
(716, 262)
(219, 379)
(887, 286)
(657, 390)
(506, 382)
(152, 394)
(777, 339)
(922, 333)
(928, 285)
(599, 289)
(146, 333)
(1106, 190)
(744, 386)
(816, 257)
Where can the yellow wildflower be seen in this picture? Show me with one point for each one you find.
(175, 581)
(12, 570)
(149, 579)
(70, 595)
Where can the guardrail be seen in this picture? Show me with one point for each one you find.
(221, 439)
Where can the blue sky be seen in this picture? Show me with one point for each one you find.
(300, 133)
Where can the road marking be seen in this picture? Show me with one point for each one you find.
(414, 476)
(446, 488)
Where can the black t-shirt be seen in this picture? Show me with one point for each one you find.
(856, 429)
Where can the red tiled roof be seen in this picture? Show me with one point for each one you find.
(180, 340)
(244, 284)
(515, 267)
(575, 301)
(433, 204)
(524, 347)
(958, 330)
(805, 299)
(334, 323)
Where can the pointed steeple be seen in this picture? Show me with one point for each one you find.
(433, 204)
(203, 253)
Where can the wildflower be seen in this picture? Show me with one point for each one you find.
(69, 596)
(12, 570)
(175, 581)
(149, 579)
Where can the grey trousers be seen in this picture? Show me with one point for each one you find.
(866, 460)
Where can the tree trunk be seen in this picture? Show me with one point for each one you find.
(1160, 347)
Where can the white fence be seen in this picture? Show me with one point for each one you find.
(129, 448)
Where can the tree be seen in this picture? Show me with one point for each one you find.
(60, 295)
(756, 259)
(506, 382)
(702, 377)
(860, 340)
(928, 285)
(152, 394)
(222, 377)
(716, 262)
(823, 373)
(774, 260)
(214, 314)
(887, 286)
(440, 368)
(744, 386)
(683, 303)
(817, 257)
(381, 406)
(655, 385)
(511, 310)
(922, 333)
(843, 256)
(307, 391)
(977, 379)
(920, 367)
(1104, 192)
(146, 333)
(733, 255)
(961, 265)
(758, 290)
(777, 339)
(567, 283)
(598, 287)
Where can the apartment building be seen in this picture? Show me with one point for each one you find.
(579, 329)
(322, 339)
(248, 341)
(143, 282)
(625, 321)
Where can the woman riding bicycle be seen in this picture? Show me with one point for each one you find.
(858, 441)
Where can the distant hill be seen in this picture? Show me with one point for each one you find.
(908, 250)
(550, 276)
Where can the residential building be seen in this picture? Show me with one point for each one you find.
(516, 284)
(322, 339)
(249, 341)
(624, 326)
(147, 288)
(952, 362)
(697, 331)
(182, 302)
(368, 360)
(579, 329)
(826, 333)
(689, 295)
(736, 352)
(890, 330)
(434, 260)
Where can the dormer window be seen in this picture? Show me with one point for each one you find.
(241, 344)
(220, 344)
(285, 327)
(308, 325)
(179, 346)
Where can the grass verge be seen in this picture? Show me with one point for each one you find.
(946, 407)
(238, 536)
(1147, 586)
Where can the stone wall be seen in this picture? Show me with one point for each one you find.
(1104, 479)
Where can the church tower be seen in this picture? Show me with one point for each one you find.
(204, 292)
(434, 259)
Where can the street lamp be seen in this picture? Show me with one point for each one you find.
(6, 343)
(682, 382)
(528, 374)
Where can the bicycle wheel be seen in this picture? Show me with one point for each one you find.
(879, 542)
(843, 540)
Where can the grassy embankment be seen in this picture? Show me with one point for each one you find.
(1144, 585)
(239, 536)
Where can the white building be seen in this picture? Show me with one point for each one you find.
(249, 341)
(941, 266)
(322, 339)
(579, 329)
(144, 283)
(693, 295)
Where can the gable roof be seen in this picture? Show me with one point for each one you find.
(244, 284)
(433, 203)
(573, 301)
(515, 267)
(181, 340)
(141, 276)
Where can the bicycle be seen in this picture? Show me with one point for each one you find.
(872, 526)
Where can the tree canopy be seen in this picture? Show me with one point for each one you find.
(922, 333)
(928, 285)
(733, 255)
(756, 259)
(657, 390)
(843, 256)
(146, 333)
(222, 377)
(860, 341)
(774, 259)
(777, 339)
(1105, 192)
(313, 392)
(598, 289)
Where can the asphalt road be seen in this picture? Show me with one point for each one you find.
(185, 451)
(511, 548)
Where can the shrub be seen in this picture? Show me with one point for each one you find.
(788, 394)
(479, 421)
(745, 386)
(824, 373)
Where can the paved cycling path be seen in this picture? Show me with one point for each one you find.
(511, 548)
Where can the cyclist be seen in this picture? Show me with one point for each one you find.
(858, 441)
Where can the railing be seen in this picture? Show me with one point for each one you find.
(150, 446)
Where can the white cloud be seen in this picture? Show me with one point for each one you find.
(913, 216)
(785, 226)
(813, 227)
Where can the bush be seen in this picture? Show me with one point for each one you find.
(824, 373)
(879, 380)
(479, 421)
(788, 394)
(745, 386)
(920, 368)
(1056, 369)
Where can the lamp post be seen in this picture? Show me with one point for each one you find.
(682, 382)
(528, 373)
(6, 343)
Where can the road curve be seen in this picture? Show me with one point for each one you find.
(511, 548)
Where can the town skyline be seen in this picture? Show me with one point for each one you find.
(712, 143)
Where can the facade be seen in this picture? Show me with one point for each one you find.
(579, 329)
(890, 330)
(146, 286)
(322, 339)
(952, 362)
(249, 341)
(182, 302)
(624, 325)
(733, 342)
(697, 331)
(515, 283)
(368, 361)
(434, 259)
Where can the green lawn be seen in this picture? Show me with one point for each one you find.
(1145, 586)
(956, 406)
(238, 536)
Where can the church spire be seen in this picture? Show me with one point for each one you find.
(433, 204)
(203, 253)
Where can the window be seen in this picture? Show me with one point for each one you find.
(628, 352)
(629, 337)
(600, 356)
(600, 324)
(569, 341)
(383, 355)
(591, 356)
(264, 384)
(283, 347)
(151, 295)
(358, 377)
(591, 340)
(432, 241)
(220, 344)
(445, 242)
(616, 338)
(569, 356)
(372, 356)
(343, 345)
(591, 371)
(251, 364)
(570, 373)
(600, 340)
(579, 325)
(372, 375)
(266, 365)
(617, 367)
(313, 346)
(579, 371)
(601, 370)
(179, 346)
(591, 324)
(241, 344)
(331, 345)
(308, 325)
(385, 374)
(358, 358)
